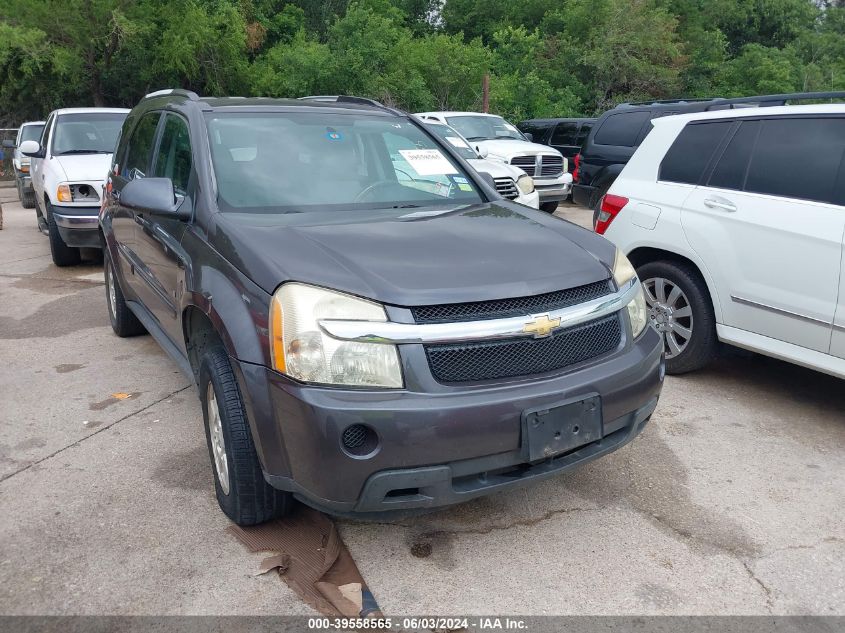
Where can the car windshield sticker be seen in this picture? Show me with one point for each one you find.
(428, 162)
(456, 141)
(464, 187)
(460, 179)
(333, 135)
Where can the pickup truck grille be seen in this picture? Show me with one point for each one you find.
(507, 188)
(525, 163)
(518, 306)
(543, 166)
(552, 166)
(489, 360)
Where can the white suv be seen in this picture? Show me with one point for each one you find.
(735, 221)
(69, 167)
(496, 139)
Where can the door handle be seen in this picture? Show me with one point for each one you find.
(724, 205)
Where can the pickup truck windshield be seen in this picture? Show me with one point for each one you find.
(87, 133)
(30, 133)
(447, 134)
(298, 162)
(484, 128)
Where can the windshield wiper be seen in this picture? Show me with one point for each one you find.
(478, 138)
(83, 151)
(405, 206)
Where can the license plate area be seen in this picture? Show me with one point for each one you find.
(548, 431)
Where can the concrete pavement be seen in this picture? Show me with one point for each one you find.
(731, 502)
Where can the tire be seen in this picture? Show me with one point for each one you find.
(243, 494)
(28, 199)
(689, 334)
(63, 255)
(549, 207)
(123, 320)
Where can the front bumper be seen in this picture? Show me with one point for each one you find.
(441, 444)
(78, 226)
(554, 191)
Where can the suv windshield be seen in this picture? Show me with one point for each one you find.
(447, 134)
(31, 133)
(87, 133)
(297, 162)
(484, 127)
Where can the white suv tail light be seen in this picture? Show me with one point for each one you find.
(610, 207)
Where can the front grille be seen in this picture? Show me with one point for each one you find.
(524, 356)
(506, 188)
(551, 166)
(519, 306)
(525, 163)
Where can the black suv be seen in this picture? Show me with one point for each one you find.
(618, 133)
(565, 135)
(371, 327)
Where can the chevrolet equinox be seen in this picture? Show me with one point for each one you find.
(371, 327)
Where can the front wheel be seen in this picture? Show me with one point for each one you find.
(548, 207)
(680, 309)
(243, 494)
(62, 254)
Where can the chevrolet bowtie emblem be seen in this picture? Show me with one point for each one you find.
(541, 326)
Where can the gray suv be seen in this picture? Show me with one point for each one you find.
(367, 334)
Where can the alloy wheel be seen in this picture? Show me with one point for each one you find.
(218, 444)
(670, 313)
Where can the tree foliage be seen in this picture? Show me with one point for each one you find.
(562, 58)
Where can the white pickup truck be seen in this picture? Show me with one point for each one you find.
(496, 139)
(29, 131)
(69, 167)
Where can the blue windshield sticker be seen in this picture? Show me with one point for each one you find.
(460, 179)
(334, 135)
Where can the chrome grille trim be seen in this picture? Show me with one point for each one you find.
(507, 188)
(487, 330)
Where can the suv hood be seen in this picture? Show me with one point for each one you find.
(85, 167)
(509, 149)
(410, 257)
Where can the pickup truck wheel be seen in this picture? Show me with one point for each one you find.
(680, 309)
(123, 320)
(63, 255)
(243, 494)
(549, 207)
(27, 198)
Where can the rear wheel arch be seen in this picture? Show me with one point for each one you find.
(646, 254)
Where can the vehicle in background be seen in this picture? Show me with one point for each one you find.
(565, 135)
(29, 131)
(618, 132)
(496, 139)
(69, 166)
(735, 222)
(511, 182)
(366, 338)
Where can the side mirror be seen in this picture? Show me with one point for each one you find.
(154, 196)
(482, 151)
(529, 136)
(8, 143)
(31, 148)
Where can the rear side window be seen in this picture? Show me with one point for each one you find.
(583, 133)
(622, 129)
(730, 171)
(140, 147)
(691, 152)
(565, 134)
(798, 158)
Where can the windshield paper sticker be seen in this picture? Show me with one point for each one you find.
(428, 162)
(457, 142)
(460, 179)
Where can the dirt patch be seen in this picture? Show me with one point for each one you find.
(66, 368)
(71, 313)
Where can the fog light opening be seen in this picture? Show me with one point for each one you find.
(359, 440)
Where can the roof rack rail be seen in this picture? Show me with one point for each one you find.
(775, 100)
(179, 92)
(667, 101)
(350, 99)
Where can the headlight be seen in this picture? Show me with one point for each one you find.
(302, 351)
(525, 184)
(623, 272)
